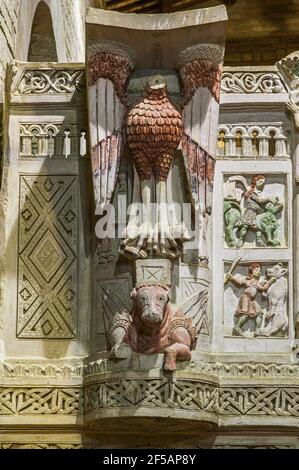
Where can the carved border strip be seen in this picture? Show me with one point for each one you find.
(194, 395)
(218, 369)
(50, 81)
(251, 82)
(39, 401)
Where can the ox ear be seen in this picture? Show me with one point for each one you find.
(284, 271)
(133, 293)
(168, 293)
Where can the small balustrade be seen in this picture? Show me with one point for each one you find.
(51, 140)
(256, 142)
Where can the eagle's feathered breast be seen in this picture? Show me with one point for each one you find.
(154, 130)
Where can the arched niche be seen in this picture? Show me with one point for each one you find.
(29, 14)
(42, 46)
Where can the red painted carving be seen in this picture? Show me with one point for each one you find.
(154, 129)
(153, 327)
(110, 66)
(201, 73)
(201, 166)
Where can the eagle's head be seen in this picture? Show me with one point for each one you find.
(156, 82)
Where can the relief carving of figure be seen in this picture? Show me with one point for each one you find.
(156, 326)
(268, 321)
(277, 319)
(252, 212)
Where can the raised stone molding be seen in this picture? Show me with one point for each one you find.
(251, 81)
(48, 245)
(8, 370)
(246, 370)
(39, 401)
(50, 81)
(193, 395)
(36, 445)
(239, 370)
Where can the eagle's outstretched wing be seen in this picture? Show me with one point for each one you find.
(110, 64)
(196, 308)
(200, 72)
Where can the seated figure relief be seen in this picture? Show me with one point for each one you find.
(248, 209)
(251, 317)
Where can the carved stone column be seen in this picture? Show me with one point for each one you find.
(154, 91)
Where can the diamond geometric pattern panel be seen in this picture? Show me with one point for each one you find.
(47, 274)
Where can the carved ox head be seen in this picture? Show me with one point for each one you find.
(150, 302)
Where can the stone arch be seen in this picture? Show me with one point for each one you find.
(42, 46)
(28, 13)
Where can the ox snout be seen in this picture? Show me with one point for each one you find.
(151, 315)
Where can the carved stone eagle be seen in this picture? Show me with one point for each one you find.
(154, 129)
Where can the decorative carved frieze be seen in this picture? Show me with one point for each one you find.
(48, 245)
(48, 400)
(40, 445)
(241, 370)
(251, 82)
(52, 140)
(254, 141)
(193, 396)
(8, 370)
(51, 81)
